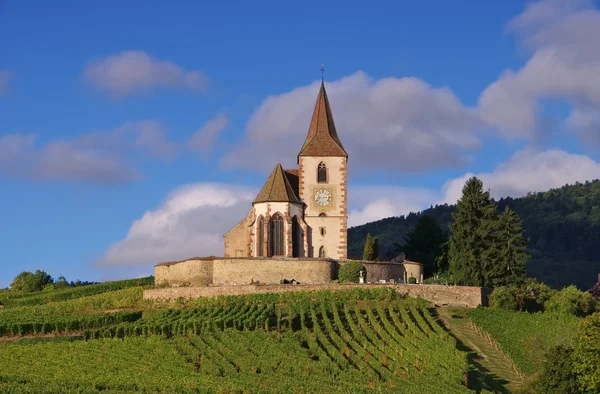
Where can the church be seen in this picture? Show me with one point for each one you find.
(300, 212)
(297, 227)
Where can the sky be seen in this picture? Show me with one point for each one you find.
(138, 132)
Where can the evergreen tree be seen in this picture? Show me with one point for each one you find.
(512, 250)
(472, 249)
(375, 249)
(368, 251)
(424, 245)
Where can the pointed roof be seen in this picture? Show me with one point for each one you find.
(322, 138)
(277, 188)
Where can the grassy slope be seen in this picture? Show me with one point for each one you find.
(526, 337)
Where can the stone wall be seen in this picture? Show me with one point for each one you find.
(237, 240)
(265, 270)
(437, 294)
(243, 271)
(205, 271)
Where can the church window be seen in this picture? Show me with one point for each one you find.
(276, 236)
(322, 173)
(322, 252)
(322, 214)
(260, 228)
(322, 230)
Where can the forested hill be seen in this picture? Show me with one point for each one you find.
(563, 227)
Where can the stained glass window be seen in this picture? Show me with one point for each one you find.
(276, 236)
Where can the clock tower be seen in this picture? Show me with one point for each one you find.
(322, 184)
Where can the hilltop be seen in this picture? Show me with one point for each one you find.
(563, 227)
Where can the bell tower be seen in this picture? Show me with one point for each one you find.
(323, 184)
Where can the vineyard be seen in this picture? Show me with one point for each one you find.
(526, 337)
(348, 341)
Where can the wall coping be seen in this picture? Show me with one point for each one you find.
(282, 258)
(427, 292)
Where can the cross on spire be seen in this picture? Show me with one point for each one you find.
(322, 71)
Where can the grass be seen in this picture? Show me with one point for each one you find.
(526, 337)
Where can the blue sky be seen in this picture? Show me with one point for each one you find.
(133, 133)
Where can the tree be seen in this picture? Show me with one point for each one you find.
(28, 282)
(558, 376)
(350, 272)
(471, 251)
(424, 244)
(572, 301)
(511, 246)
(375, 249)
(587, 354)
(370, 250)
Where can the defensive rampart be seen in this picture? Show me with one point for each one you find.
(437, 294)
(219, 271)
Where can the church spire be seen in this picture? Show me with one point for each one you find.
(322, 138)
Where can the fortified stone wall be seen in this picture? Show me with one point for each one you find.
(437, 294)
(383, 271)
(205, 271)
(218, 271)
(265, 270)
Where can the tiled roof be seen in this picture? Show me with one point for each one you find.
(294, 180)
(322, 138)
(277, 188)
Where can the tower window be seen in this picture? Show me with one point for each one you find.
(322, 173)
(322, 214)
(322, 230)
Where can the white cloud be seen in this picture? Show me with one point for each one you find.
(387, 124)
(5, 77)
(99, 157)
(191, 222)
(205, 138)
(528, 171)
(132, 72)
(564, 65)
(370, 203)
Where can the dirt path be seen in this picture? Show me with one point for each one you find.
(495, 372)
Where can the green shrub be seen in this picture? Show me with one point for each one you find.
(412, 280)
(572, 301)
(530, 296)
(350, 272)
(503, 297)
(558, 376)
(587, 354)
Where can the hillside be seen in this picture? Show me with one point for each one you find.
(106, 338)
(563, 227)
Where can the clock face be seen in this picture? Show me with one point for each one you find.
(322, 197)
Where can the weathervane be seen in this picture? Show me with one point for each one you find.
(322, 71)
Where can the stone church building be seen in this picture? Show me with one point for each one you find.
(297, 227)
(300, 212)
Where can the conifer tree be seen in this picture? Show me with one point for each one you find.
(375, 249)
(369, 250)
(512, 250)
(424, 244)
(472, 249)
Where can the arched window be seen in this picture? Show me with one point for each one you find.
(295, 237)
(260, 228)
(276, 236)
(322, 252)
(322, 173)
(322, 214)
